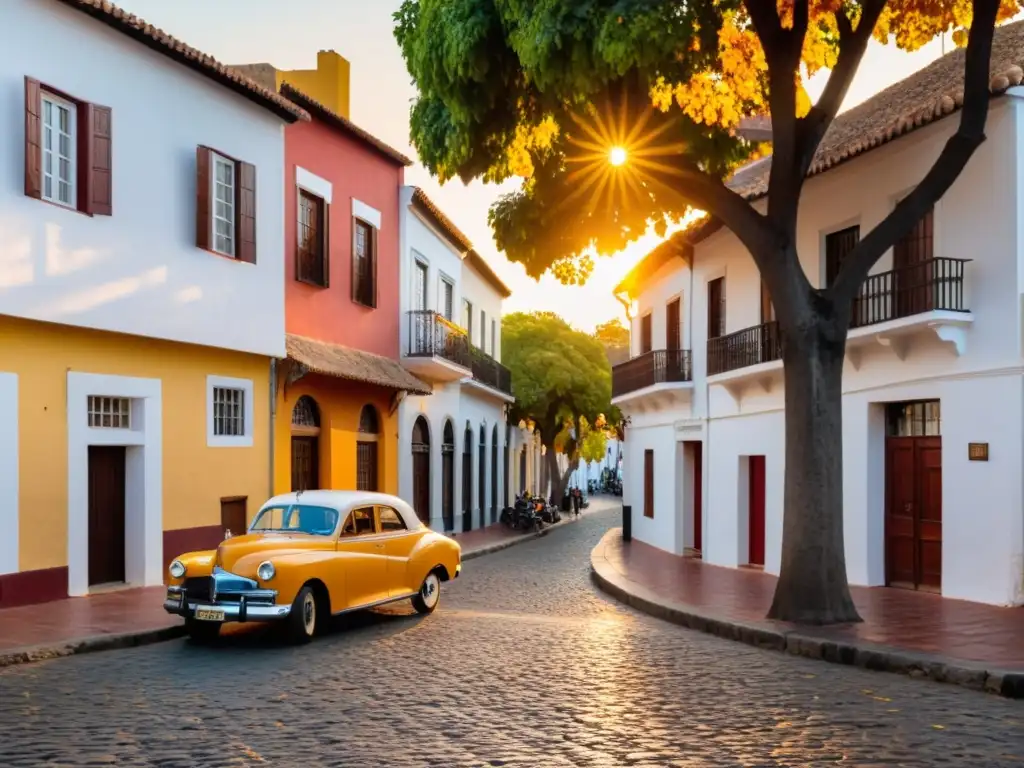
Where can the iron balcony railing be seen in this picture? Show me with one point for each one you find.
(930, 285)
(657, 367)
(760, 344)
(489, 371)
(431, 335)
(933, 284)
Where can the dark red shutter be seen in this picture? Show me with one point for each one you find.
(98, 165)
(245, 224)
(33, 139)
(204, 213)
(325, 240)
(374, 236)
(355, 259)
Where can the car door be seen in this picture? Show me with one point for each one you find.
(363, 555)
(398, 543)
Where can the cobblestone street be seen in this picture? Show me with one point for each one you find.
(524, 663)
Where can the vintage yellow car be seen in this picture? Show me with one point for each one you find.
(309, 555)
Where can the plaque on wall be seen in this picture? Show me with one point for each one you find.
(977, 451)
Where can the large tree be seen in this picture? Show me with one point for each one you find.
(553, 91)
(560, 377)
(615, 338)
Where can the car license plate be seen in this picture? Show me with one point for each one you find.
(210, 614)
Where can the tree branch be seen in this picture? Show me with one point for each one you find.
(951, 161)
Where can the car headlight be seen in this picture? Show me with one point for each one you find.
(177, 569)
(266, 571)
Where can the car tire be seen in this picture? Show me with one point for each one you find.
(301, 623)
(202, 632)
(426, 600)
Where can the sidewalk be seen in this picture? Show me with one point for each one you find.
(132, 617)
(923, 635)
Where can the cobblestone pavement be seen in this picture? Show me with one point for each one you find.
(523, 664)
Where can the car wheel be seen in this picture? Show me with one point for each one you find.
(427, 598)
(202, 632)
(301, 623)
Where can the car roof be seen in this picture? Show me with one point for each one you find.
(346, 500)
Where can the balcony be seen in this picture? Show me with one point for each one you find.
(752, 346)
(655, 378)
(439, 350)
(491, 376)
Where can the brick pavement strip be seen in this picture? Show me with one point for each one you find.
(176, 629)
(767, 635)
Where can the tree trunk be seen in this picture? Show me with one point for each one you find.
(557, 479)
(812, 586)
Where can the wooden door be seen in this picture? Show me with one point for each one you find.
(467, 481)
(448, 486)
(673, 325)
(366, 466)
(106, 514)
(481, 475)
(305, 463)
(698, 495)
(913, 277)
(421, 482)
(756, 517)
(913, 512)
(646, 342)
(233, 515)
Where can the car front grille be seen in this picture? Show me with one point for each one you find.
(199, 588)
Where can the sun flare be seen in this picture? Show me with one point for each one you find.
(617, 156)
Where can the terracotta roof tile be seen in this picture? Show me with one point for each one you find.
(160, 41)
(353, 364)
(328, 115)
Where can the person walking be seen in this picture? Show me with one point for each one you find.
(576, 501)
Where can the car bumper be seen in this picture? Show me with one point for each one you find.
(240, 611)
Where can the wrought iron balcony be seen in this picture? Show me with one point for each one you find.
(489, 371)
(658, 367)
(431, 335)
(930, 285)
(751, 346)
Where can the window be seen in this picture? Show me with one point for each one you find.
(110, 412)
(837, 247)
(313, 249)
(359, 523)
(467, 317)
(366, 450)
(716, 308)
(390, 520)
(303, 518)
(494, 337)
(225, 205)
(67, 150)
(645, 334)
(419, 288)
(673, 329)
(483, 331)
(229, 412)
(917, 419)
(364, 263)
(447, 299)
(648, 483)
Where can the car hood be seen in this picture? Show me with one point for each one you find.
(240, 554)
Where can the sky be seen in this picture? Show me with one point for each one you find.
(288, 35)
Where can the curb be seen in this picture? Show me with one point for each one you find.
(878, 658)
(148, 637)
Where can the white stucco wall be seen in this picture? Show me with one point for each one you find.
(483, 296)
(139, 270)
(980, 391)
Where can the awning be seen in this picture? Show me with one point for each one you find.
(353, 364)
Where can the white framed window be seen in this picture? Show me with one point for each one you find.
(105, 412)
(419, 287)
(447, 298)
(58, 144)
(229, 412)
(222, 193)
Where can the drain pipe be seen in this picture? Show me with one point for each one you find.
(273, 418)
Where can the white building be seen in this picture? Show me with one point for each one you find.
(934, 361)
(455, 447)
(141, 297)
(595, 470)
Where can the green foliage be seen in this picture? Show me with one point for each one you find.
(595, 442)
(558, 373)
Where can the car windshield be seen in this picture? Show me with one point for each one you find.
(297, 518)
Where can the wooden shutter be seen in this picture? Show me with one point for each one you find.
(245, 216)
(325, 240)
(648, 483)
(673, 329)
(98, 165)
(837, 247)
(355, 259)
(646, 343)
(374, 236)
(204, 213)
(33, 139)
(716, 308)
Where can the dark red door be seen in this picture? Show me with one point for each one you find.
(756, 533)
(305, 467)
(913, 512)
(106, 514)
(698, 495)
(233, 516)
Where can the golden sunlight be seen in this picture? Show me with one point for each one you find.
(617, 156)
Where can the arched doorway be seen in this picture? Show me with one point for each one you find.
(482, 476)
(448, 477)
(367, 477)
(421, 469)
(494, 474)
(305, 444)
(467, 479)
(507, 468)
(522, 470)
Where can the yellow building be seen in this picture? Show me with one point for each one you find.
(327, 84)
